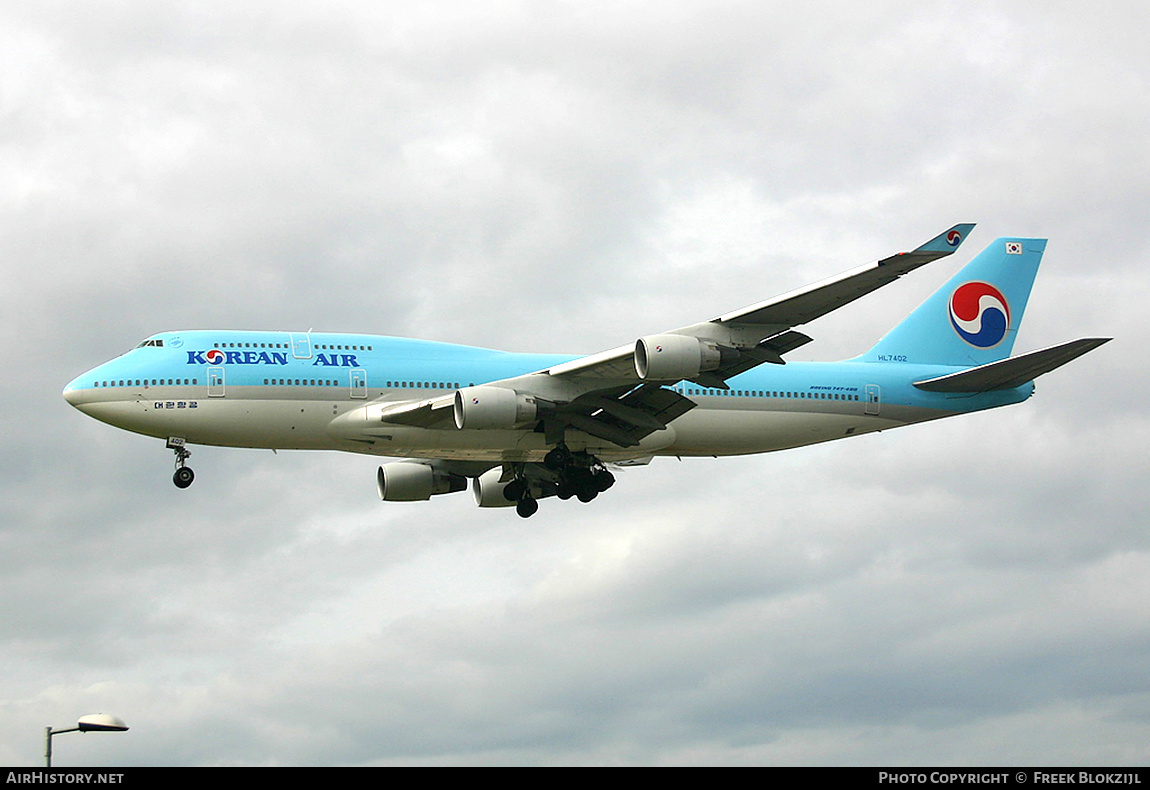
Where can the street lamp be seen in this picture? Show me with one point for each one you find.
(93, 722)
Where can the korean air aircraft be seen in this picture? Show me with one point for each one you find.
(522, 427)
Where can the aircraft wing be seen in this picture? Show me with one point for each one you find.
(814, 301)
(763, 332)
(622, 395)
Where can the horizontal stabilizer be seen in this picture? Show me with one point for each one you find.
(1013, 372)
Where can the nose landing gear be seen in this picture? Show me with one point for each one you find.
(184, 475)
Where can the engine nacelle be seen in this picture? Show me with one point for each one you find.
(675, 357)
(488, 491)
(411, 481)
(488, 408)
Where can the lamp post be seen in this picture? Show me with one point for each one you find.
(93, 722)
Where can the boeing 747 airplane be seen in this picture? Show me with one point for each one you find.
(522, 427)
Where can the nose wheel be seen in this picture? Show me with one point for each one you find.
(184, 475)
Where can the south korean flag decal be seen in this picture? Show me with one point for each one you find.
(1014, 248)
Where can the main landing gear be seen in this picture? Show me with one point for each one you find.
(563, 474)
(580, 475)
(184, 474)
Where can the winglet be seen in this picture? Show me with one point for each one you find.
(940, 246)
(948, 241)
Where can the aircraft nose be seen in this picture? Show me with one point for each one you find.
(73, 393)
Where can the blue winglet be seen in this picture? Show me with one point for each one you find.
(948, 241)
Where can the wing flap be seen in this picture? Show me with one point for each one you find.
(624, 419)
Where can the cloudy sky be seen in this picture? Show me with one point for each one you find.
(565, 176)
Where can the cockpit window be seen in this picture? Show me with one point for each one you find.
(156, 343)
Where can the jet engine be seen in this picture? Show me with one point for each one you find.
(486, 408)
(488, 491)
(675, 357)
(411, 481)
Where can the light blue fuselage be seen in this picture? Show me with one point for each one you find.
(282, 390)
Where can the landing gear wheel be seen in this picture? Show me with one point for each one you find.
(558, 458)
(515, 490)
(184, 475)
(526, 507)
(602, 480)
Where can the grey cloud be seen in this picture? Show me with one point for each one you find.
(558, 177)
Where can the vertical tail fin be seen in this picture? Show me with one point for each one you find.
(973, 318)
